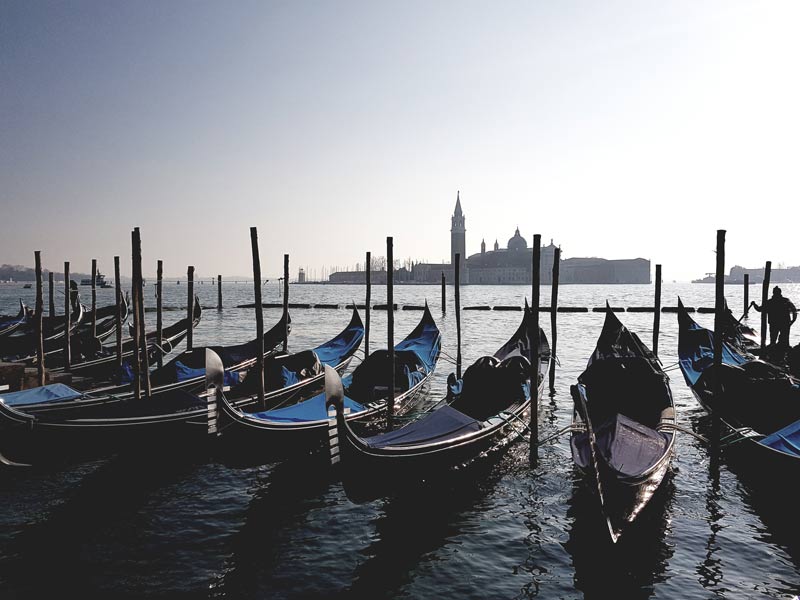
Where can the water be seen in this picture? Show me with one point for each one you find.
(149, 524)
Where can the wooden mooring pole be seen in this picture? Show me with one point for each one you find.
(94, 298)
(39, 316)
(534, 387)
(219, 292)
(553, 317)
(259, 313)
(390, 328)
(67, 320)
(457, 276)
(719, 317)
(286, 302)
(657, 310)
(764, 299)
(746, 294)
(52, 292)
(139, 284)
(135, 300)
(367, 305)
(118, 318)
(444, 294)
(190, 306)
(159, 310)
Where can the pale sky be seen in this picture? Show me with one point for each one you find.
(619, 129)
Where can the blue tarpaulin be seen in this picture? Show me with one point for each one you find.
(343, 345)
(442, 424)
(696, 353)
(183, 373)
(786, 440)
(310, 410)
(55, 392)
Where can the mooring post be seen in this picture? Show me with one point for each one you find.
(94, 298)
(67, 320)
(159, 309)
(657, 310)
(535, 360)
(764, 299)
(457, 276)
(286, 302)
(190, 306)
(219, 292)
(137, 354)
(259, 314)
(367, 305)
(390, 328)
(39, 316)
(444, 294)
(746, 294)
(139, 284)
(52, 292)
(554, 318)
(719, 317)
(118, 319)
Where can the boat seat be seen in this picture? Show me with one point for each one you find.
(630, 448)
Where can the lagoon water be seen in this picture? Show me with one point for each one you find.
(195, 525)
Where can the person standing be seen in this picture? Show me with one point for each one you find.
(781, 314)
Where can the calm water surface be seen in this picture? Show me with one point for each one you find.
(191, 524)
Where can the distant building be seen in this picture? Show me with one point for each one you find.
(787, 275)
(301, 277)
(510, 265)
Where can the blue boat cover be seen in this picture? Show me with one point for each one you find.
(696, 353)
(310, 410)
(184, 372)
(343, 345)
(55, 392)
(442, 424)
(786, 440)
(424, 341)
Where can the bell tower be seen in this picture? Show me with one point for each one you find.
(458, 238)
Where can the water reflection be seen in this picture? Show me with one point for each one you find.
(421, 519)
(633, 566)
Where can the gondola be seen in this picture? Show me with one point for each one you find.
(83, 346)
(485, 410)
(623, 427)
(181, 373)
(290, 378)
(19, 346)
(759, 404)
(90, 421)
(304, 426)
(97, 365)
(10, 323)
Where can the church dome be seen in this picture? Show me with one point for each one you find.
(517, 242)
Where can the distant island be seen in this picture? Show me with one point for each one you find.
(737, 273)
(20, 273)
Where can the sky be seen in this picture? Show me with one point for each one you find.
(618, 129)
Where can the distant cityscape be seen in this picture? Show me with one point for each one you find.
(509, 265)
(737, 273)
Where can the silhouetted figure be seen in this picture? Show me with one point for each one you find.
(781, 313)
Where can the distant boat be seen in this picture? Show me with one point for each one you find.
(27, 286)
(99, 280)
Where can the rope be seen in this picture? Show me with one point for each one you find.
(675, 427)
(560, 432)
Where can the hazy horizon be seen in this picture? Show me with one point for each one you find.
(620, 130)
